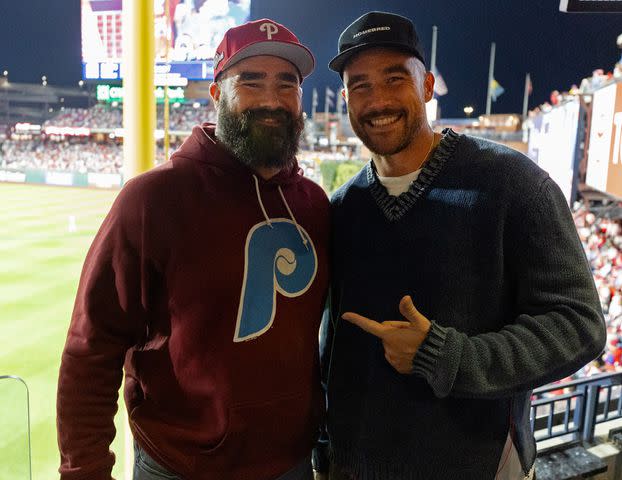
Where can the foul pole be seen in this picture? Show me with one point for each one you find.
(138, 86)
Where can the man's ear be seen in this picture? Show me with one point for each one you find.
(214, 91)
(428, 83)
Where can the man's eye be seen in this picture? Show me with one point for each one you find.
(394, 79)
(359, 86)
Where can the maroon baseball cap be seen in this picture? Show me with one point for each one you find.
(262, 37)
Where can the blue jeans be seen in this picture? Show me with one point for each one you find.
(146, 468)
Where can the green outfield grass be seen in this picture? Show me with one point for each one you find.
(45, 233)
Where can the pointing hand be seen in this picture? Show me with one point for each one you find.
(400, 339)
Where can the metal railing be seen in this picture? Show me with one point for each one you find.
(578, 409)
(19, 379)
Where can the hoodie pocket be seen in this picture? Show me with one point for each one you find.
(280, 428)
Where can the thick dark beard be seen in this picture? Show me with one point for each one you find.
(256, 145)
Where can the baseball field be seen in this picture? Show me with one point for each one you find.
(45, 233)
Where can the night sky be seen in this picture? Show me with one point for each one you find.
(40, 37)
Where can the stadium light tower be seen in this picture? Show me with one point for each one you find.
(44, 80)
(5, 73)
(81, 83)
(468, 110)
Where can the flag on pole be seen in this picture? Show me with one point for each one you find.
(340, 102)
(526, 95)
(314, 104)
(330, 95)
(440, 87)
(496, 90)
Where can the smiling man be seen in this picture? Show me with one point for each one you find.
(206, 285)
(482, 242)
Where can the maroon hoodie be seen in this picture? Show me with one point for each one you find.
(206, 284)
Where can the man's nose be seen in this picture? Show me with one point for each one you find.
(270, 98)
(380, 97)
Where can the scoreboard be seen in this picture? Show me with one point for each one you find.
(590, 6)
(194, 28)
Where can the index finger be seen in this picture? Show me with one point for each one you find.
(370, 326)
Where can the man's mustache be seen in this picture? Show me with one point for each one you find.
(387, 112)
(279, 114)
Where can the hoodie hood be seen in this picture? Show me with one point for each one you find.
(202, 145)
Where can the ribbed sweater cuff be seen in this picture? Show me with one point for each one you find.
(424, 363)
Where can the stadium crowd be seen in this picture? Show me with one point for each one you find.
(79, 155)
(85, 154)
(182, 117)
(602, 241)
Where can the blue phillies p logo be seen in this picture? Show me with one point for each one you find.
(275, 260)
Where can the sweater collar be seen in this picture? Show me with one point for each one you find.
(394, 208)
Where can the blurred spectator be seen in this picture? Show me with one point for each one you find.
(602, 241)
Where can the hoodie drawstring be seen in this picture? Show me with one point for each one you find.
(305, 242)
(260, 202)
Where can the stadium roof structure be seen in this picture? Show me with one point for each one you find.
(27, 102)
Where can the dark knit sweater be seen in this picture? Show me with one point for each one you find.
(484, 243)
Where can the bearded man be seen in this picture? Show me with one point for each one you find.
(205, 285)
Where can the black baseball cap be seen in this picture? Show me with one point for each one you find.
(376, 29)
